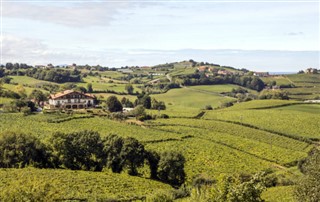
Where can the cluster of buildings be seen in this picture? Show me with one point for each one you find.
(227, 72)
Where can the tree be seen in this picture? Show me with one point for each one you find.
(171, 168)
(308, 188)
(153, 161)
(113, 104)
(112, 149)
(19, 150)
(129, 88)
(123, 152)
(89, 88)
(79, 150)
(38, 96)
(132, 154)
(19, 104)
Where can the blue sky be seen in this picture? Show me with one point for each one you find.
(258, 35)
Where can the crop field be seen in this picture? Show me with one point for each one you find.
(280, 80)
(44, 127)
(281, 194)
(298, 123)
(305, 79)
(68, 185)
(260, 104)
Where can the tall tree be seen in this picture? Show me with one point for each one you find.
(79, 150)
(113, 104)
(132, 154)
(171, 168)
(38, 96)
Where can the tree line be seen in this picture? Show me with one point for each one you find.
(86, 150)
(199, 78)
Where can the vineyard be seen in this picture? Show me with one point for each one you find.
(248, 137)
(32, 184)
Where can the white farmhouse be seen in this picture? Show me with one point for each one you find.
(70, 99)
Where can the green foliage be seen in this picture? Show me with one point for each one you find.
(38, 96)
(158, 105)
(308, 189)
(171, 168)
(113, 104)
(132, 155)
(123, 152)
(79, 150)
(89, 88)
(112, 148)
(129, 88)
(19, 150)
(153, 159)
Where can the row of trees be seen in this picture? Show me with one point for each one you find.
(86, 150)
(114, 105)
(199, 78)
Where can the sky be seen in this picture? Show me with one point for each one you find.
(278, 36)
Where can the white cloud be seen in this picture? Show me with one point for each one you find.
(71, 14)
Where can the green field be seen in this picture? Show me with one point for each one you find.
(189, 101)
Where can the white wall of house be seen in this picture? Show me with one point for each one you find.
(70, 101)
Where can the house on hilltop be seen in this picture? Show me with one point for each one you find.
(224, 72)
(311, 71)
(202, 68)
(70, 99)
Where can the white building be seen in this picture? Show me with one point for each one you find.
(71, 99)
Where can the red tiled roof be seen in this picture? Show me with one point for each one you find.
(66, 92)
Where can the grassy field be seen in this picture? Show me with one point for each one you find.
(185, 98)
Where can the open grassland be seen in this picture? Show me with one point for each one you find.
(110, 74)
(67, 185)
(216, 88)
(28, 90)
(297, 121)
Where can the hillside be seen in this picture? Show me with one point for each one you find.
(219, 124)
